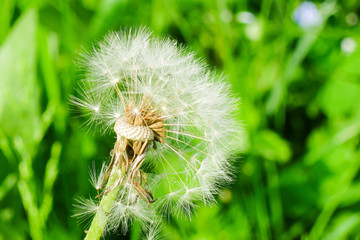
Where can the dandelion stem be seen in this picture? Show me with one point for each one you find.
(98, 224)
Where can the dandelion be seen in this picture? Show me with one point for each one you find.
(175, 131)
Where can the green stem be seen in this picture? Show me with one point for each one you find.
(98, 224)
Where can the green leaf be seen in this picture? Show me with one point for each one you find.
(19, 92)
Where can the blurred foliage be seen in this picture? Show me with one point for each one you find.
(298, 171)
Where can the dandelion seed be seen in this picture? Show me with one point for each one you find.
(152, 231)
(174, 125)
(85, 209)
(96, 179)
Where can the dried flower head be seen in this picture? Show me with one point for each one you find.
(173, 119)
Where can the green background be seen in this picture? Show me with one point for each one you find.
(297, 174)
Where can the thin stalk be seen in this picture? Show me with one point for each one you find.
(107, 201)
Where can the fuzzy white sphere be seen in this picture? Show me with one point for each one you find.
(130, 69)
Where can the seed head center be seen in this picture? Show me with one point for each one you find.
(136, 133)
(141, 123)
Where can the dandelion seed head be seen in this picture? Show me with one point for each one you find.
(174, 122)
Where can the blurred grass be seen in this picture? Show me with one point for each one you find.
(298, 173)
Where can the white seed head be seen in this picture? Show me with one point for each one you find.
(149, 90)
